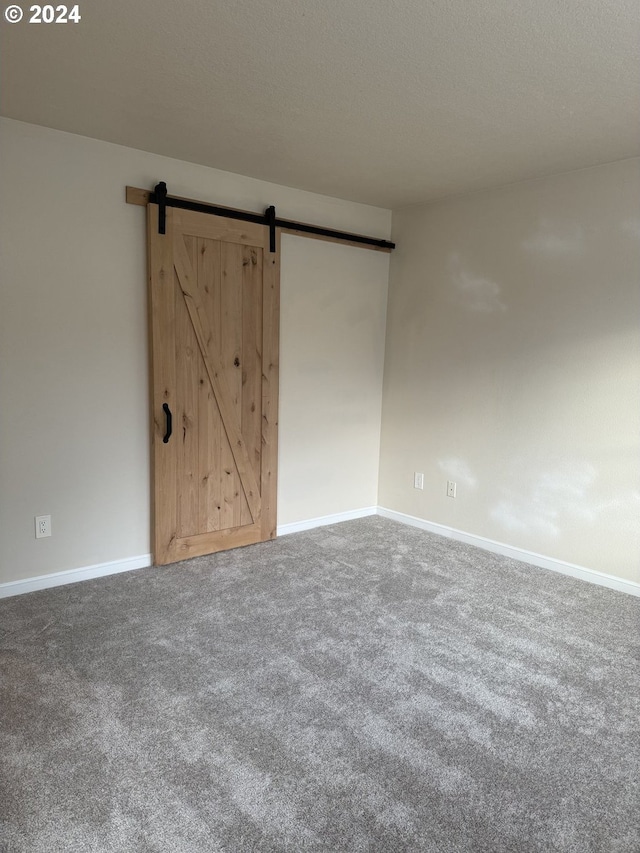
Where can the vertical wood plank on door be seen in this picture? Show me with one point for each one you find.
(189, 366)
(210, 426)
(270, 379)
(230, 351)
(163, 381)
(251, 360)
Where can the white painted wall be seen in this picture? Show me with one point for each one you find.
(513, 366)
(73, 348)
(332, 359)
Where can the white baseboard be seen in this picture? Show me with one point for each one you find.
(73, 575)
(521, 554)
(144, 560)
(310, 523)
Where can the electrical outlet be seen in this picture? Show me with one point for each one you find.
(418, 481)
(43, 526)
(451, 489)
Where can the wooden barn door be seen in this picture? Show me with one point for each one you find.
(214, 303)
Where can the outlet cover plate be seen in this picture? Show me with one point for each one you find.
(43, 526)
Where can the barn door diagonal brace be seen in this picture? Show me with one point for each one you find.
(160, 197)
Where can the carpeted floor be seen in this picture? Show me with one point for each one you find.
(361, 687)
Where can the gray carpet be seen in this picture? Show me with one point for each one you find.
(361, 687)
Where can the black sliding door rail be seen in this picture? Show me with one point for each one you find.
(160, 197)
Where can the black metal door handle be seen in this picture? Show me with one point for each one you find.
(167, 412)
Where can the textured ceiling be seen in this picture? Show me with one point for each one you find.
(390, 102)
